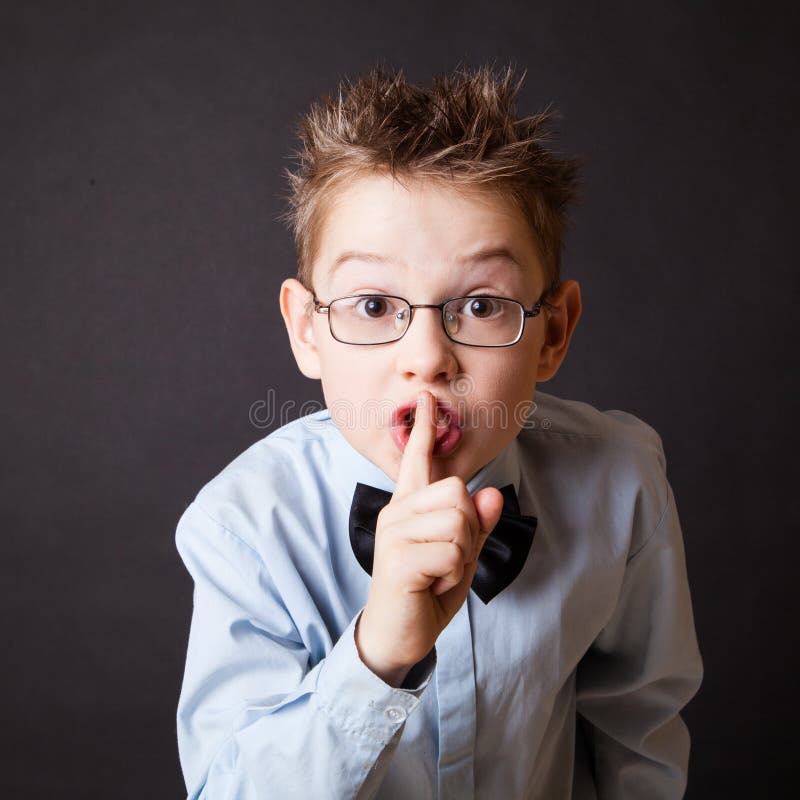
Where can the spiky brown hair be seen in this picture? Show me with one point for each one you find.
(462, 129)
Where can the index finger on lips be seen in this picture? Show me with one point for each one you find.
(415, 466)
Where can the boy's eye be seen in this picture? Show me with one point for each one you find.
(373, 307)
(479, 307)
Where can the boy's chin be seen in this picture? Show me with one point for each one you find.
(455, 461)
(446, 467)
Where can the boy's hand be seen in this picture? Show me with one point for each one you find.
(427, 541)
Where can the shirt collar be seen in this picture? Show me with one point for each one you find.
(346, 466)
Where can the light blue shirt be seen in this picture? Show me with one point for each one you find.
(568, 684)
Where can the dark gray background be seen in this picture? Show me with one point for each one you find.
(141, 151)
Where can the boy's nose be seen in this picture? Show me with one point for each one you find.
(425, 351)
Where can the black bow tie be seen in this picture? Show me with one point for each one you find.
(502, 556)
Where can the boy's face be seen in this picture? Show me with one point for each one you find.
(422, 241)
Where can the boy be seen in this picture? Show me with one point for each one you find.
(423, 590)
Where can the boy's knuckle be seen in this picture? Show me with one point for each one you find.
(454, 487)
(453, 555)
(457, 519)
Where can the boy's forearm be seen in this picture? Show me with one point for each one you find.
(644, 668)
(252, 718)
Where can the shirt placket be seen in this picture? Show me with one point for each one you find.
(455, 689)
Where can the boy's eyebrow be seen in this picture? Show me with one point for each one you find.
(357, 255)
(472, 258)
(490, 252)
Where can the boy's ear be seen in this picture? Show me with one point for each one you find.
(560, 326)
(297, 308)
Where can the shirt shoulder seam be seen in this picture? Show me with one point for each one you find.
(660, 522)
(229, 531)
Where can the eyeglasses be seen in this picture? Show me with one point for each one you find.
(477, 320)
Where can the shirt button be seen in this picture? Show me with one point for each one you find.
(395, 714)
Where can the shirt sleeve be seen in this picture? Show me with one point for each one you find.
(255, 718)
(639, 673)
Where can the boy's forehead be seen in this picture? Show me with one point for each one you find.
(494, 261)
(381, 225)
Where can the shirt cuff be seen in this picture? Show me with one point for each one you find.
(356, 699)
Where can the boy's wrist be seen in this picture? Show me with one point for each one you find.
(391, 674)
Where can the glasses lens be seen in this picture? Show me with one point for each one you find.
(485, 321)
(368, 319)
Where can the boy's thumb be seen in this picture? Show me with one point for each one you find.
(489, 506)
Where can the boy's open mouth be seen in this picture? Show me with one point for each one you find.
(448, 427)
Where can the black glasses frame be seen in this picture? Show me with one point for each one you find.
(324, 308)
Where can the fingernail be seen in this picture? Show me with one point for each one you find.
(421, 400)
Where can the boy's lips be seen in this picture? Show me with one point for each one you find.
(449, 427)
